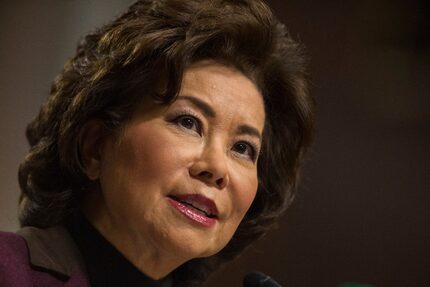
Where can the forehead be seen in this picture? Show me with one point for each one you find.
(227, 90)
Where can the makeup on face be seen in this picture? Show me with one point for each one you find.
(182, 176)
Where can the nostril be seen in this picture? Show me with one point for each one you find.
(219, 182)
(205, 174)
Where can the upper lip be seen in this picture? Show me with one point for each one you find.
(199, 202)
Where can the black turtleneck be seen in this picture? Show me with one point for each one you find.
(105, 265)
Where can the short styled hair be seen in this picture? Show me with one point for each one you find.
(152, 44)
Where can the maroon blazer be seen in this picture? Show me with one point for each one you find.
(35, 257)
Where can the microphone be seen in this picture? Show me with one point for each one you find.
(258, 279)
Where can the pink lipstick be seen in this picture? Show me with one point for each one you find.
(195, 207)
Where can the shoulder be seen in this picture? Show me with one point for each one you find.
(14, 260)
(45, 257)
(12, 248)
(53, 249)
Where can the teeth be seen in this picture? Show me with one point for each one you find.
(200, 207)
(196, 206)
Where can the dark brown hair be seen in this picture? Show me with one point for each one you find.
(118, 64)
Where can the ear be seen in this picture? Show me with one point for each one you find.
(90, 146)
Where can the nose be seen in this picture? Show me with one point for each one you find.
(211, 167)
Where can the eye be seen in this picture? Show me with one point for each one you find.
(245, 149)
(189, 122)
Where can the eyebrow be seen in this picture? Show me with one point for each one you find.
(210, 112)
(202, 105)
(245, 129)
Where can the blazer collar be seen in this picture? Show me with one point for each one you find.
(53, 249)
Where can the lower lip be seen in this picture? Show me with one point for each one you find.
(191, 214)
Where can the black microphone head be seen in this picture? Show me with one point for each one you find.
(258, 279)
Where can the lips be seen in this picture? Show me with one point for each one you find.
(196, 207)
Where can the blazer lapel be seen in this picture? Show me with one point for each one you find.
(54, 250)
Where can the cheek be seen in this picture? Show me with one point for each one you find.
(137, 161)
(246, 190)
(151, 153)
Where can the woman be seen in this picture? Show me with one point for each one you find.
(170, 142)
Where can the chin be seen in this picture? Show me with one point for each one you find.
(192, 246)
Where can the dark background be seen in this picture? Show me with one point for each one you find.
(363, 209)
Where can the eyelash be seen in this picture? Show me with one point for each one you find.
(177, 117)
(188, 114)
(253, 148)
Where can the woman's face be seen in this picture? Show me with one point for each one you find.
(179, 179)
